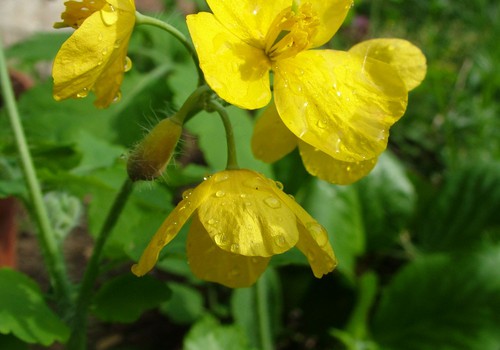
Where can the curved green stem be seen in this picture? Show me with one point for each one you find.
(193, 104)
(266, 338)
(143, 19)
(48, 243)
(78, 338)
(232, 162)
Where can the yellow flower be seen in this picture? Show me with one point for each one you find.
(406, 60)
(94, 58)
(339, 104)
(240, 219)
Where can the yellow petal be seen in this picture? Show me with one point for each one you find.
(271, 139)
(406, 58)
(244, 215)
(211, 263)
(93, 58)
(313, 239)
(169, 229)
(338, 102)
(331, 14)
(238, 72)
(327, 168)
(248, 20)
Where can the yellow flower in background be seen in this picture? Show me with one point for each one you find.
(407, 62)
(94, 58)
(239, 220)
(339, 105)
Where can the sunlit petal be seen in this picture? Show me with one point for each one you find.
(211, 263)
(406, 58)
(238, 72)
(338, 102)
(244, 215)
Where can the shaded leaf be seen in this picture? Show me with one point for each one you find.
(125, 298)
(185, 305)
(23, 311)
(443, 302)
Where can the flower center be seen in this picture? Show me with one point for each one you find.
(291, 32)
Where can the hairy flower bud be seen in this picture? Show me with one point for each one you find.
(150, 157)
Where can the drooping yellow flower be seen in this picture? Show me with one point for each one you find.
(94, 58)
(239, 220)
(337, 103)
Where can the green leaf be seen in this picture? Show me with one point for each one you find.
(186, 304)
(461, 212)
(387, 198)
(9, 342)
(212, 139)
(125, 298)
(39, 47)
(338, 209)
(245, 308)
(23, 311)
(449, 302)
(209, 334)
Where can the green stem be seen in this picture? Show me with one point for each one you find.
(266, 338)
(143, 19)
(78, 338)
(193, 104)
(232, 162)
(48, 243)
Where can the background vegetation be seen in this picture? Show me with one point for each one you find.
(418, 240)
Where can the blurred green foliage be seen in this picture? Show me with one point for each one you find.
(418, 240)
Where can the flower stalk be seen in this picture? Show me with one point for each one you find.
(48, 243)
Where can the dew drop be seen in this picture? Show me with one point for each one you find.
(128, 64)
(235, 247)
(254, 260)
(243, 195)
(117, 44)
(160, 243)
(247, 204)
(108, 15)
(117, 98)
(222, 177)
(279, 240)
(220, 194)
(187, 193)
(322, 123)
(279, 185)
(220, 239)
(272, 202)
(339, 93)
(212, 221)
(348, 168)
(99, 37)
(318, 233)
(83, 93)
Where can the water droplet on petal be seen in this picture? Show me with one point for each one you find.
(104, 51)
(83, 93)
(235, 247)
(220, 239)
(279, 185)
(99, 37)
(222, 177)
(117, 44)
(108, 15)
(187, 193)
(254, 260)
(243, 195)
(128, 64)
(322, 123)
(117, 98)
(318, 233)
(279, 240)
(272, 202)
(220, 194)
(212, 221)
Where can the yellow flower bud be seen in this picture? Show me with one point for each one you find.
(150, 157)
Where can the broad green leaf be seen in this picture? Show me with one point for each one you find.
(245, 306)
(209, 334)
(23, 311)
(449, 302)
(212, 139)
(39, 47)
(338, 209)
(461, 212)
(185, 305)
(125, 298)
(387, 198)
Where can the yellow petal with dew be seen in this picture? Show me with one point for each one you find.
(271, 139)
(406, 58)
(331, 14)
(170, 227)
(211, 263)
(248, 20)
(94, 57)
(335, 171)
(78, 11)
(244, 215)
(313, 239)
(236, 71)
(338, 102)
